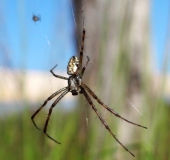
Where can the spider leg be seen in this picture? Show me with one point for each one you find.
(45, 102)
(58, 76)
(82, 49)
(82, 71)
(106, 107)
(102, 120)
(49, 114)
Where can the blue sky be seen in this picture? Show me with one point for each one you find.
(40, 45)
(160, 14)
(32, 45)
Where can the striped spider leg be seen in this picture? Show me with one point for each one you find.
(83, 89)
(63, 92)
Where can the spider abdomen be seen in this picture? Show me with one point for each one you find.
(72, 66)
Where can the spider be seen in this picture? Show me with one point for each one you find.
(36, 18)
(76, 86)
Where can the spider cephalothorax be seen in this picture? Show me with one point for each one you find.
(74, 83)
(75, 86)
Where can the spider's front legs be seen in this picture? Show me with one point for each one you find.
(82, 49)
(58, 76)
(83, 70)
(102, 120)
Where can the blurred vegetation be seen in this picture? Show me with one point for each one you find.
(113, 77)
(20, 140)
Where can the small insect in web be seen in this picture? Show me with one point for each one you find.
(77, 86)
(36, 18)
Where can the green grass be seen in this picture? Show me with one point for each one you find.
(20, 140)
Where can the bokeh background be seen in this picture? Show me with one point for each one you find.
(128, 45)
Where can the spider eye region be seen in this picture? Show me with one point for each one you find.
(73, 65)
(74, 83)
